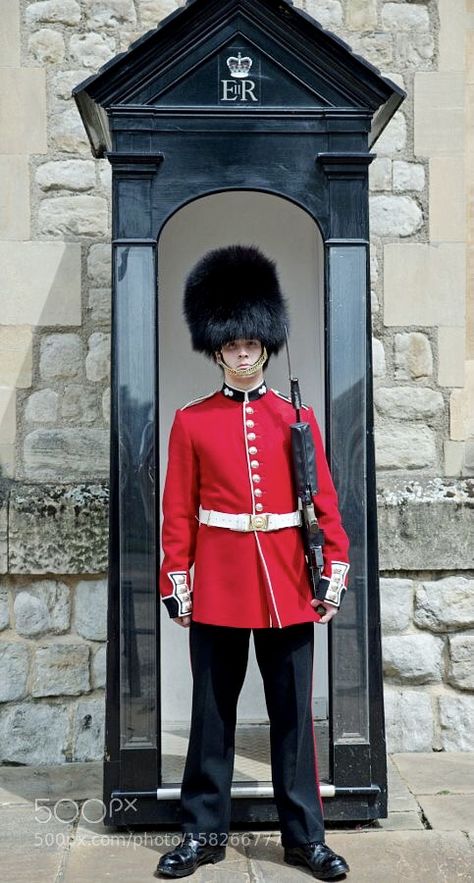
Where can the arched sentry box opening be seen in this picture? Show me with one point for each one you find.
(237, 121)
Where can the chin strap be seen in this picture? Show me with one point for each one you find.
(244, 372)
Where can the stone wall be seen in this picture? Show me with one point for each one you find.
(55, 365)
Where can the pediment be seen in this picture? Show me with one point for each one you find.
(282, 58)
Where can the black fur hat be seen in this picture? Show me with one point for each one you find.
(234, 293)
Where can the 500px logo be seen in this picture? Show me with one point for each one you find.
(92, 810)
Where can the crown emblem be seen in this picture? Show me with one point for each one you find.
(239, 67)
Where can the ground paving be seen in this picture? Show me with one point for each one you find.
(428, 836)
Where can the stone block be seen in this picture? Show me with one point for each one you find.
(99, 668)
(453, 458)
(451, 356)
(66, 454)
(408, 176)
(393, 139)
(423, 525)
(16, 360)
(14, 668)
(468, 464)
(7, 460)
(61, 356)
(461, 662)
(42, 283)
(58, 529)
(413, 356)
(376, 47)
(79, 403)
(405, 17)
(111, 14)
(31, 615)
(404, 446)
(396, 601)
(67, 130)
(61, 670)
(152, 11)
(394, 216)
(74, 215)
(414, 49)
(378, 358)
(413, 659)
(89, 726)
(23, 111)
(408, 720)
(65, 12)
(99, 264)
(456, 715)
(380, 174)
(106, 406)
(361, 15)
(408, 402)
(448, 812)
(10, 35)
(327, 12)
(100, 305)
(98, 357)
(47, 46)
(446, 604)
(3, 531)
(34, 733)
(91, 50)
(63, 82)
(70, 174)
(14, 197)
(42, 606)
(4, 611)
(452, 35)
(462, 406)
(439, 113)
(448, 221)
(7, 415)
(42, 407)
(424, 284)
(90, 618)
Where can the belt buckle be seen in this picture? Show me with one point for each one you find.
(259, 522)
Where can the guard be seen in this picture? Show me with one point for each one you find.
(229, 509)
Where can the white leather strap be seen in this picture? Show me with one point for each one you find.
(260, 521)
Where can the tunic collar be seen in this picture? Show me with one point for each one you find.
(240, 395)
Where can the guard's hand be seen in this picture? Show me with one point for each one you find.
(330, 611)
(185, 621)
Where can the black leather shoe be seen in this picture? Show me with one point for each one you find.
(184, 859)
(319, 858)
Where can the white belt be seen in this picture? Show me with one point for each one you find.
(242, 521)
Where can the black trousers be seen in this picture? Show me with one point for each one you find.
(219, 661)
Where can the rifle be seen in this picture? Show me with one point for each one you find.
(306, 485)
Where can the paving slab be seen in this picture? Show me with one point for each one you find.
(402, 821)
(400, 798)
(449, 812)
(123, 856)
(33, 846)
(430, 773)
(76, 781)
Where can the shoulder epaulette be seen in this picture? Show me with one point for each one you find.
(196, 401)
(287, 398)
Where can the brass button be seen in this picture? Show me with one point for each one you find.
(253, 450)
(258, 492)
(254, 464)
(250, 424)
(251, 436)
(256, 478)
(259, 507)
(249, 410)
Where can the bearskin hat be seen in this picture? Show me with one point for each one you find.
(234, 293)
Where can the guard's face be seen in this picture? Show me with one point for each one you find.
(241, 353)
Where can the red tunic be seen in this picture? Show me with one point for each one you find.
(233, 456)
